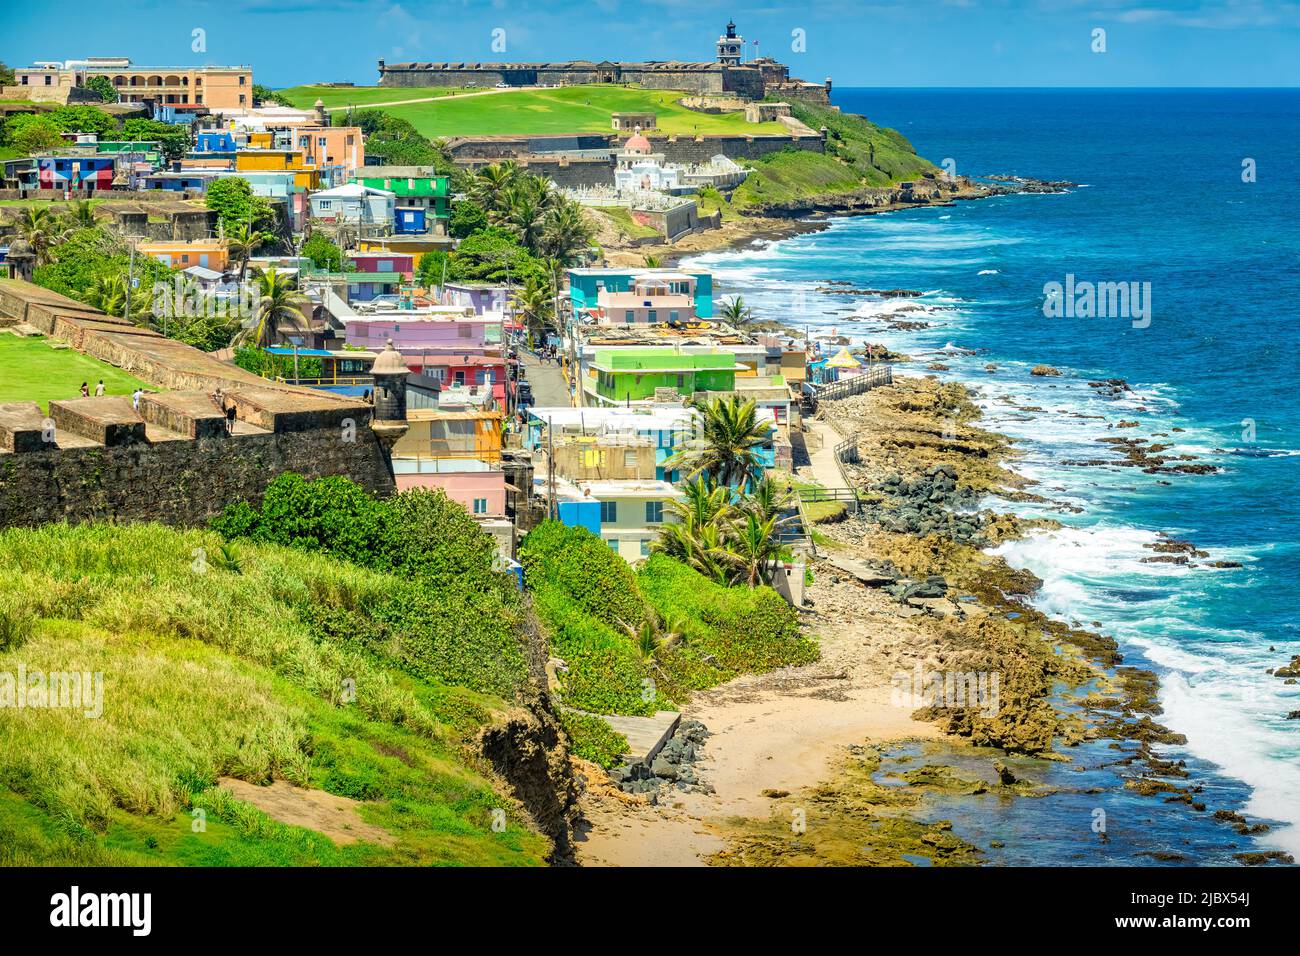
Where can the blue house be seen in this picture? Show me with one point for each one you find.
(215, 141)
(585, 285)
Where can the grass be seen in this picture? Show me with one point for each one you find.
(621, 218)
(305, 97)
(217, 673)
(571, 109)
(32, 371)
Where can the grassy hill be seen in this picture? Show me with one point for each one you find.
(255, 664)
(572, 109)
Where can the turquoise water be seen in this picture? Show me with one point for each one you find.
(1161, 201)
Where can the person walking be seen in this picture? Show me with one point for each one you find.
(135, 398)
(230, 419)
(85, 390)
(99, 389)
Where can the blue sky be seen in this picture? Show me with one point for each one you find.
(917, 43)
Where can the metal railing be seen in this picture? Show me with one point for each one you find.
(863, 382)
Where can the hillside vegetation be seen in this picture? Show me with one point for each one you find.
(259, 661)
(859, 154)
(639, 641)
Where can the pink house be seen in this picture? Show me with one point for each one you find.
(450, 343)
(478, 492)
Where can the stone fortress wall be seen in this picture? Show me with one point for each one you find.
(171, 461)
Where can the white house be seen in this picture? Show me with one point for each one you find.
(355, 204)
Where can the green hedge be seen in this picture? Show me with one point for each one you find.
(578, 564)
(728, 631)
(592, 739)
(453, 618)
(587, 597)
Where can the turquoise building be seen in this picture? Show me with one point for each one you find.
(585, 286)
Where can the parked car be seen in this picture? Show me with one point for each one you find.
(524, 394)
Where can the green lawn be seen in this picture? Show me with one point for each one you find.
(305, 97)
(32, 371)
(571, 109)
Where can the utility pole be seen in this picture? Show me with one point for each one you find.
(130, 277)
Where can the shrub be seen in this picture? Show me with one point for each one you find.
(737, 630)
(592, 739)
(582, 567)
(453, 618)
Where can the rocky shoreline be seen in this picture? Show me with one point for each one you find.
(770, 222)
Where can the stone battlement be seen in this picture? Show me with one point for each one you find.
(171, 459)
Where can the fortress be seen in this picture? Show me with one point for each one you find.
(728, 73)
(171, 459)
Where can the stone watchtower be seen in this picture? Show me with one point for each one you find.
(21, 258)
(731, 48)
(389, 419)
(322, 117)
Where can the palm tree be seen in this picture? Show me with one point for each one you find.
(751, 549)
(80, 215)
(652, 262)
(652, 638)
(42, 230)
(697, 535)
(769, 500)
(491, 185)
(279, 302)
(526, 218)
(726, 447)
(737, 314)
(243, 241)
(567, 234)
(108, 293)
(536, 301)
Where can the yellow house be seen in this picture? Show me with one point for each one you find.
(306, 176)
(414, 246)
(212, 254)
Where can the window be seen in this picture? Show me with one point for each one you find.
(673, 315)
(480, 506)
(608, 511)
(320, 141)
(243, 80)
(629, 459)
(629, 316)
(654, 512)
(47, 80)
(654, 315)
(242, 99)
(645, 547)
(613, 543)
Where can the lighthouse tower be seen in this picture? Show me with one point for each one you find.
(731, 48)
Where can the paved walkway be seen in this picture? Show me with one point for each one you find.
(822, 467)
(547, 380)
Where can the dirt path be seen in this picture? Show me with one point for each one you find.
(774, 732)
(423, 99)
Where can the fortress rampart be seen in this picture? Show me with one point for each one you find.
(170, 460)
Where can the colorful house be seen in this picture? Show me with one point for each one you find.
(306, 175)
(585, 286)
(633, 374)
(652, 299)
(210, 253)
(353, 204)
(214, 141)
(75, 172)
(423, 197)
(331, 145)
(627, 515)
(397, 263)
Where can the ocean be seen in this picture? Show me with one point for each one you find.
(1191, 196)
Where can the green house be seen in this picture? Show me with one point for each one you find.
(634, 374)
(414, 186)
